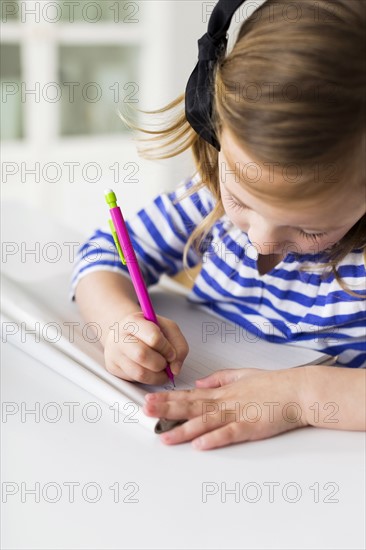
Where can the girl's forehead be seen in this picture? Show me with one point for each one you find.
(237, 163)
(236, 166)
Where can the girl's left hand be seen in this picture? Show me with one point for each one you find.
(233, 405)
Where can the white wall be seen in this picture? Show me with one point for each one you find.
(171, 31)
(169, 55)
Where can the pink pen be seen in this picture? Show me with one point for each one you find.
(128, 257)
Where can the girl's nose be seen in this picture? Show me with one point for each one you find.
(267, 239)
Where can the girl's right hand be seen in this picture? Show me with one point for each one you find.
(139, 350)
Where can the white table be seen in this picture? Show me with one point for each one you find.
(180, 502)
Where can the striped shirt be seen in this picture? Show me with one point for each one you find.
(285, 305)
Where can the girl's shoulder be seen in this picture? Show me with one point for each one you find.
(355, 261)
(352, 269)
(192, 194)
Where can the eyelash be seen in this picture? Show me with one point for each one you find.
(236, 204)
(312, 236)
(309, 236)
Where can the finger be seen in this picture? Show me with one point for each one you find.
(226, 376)
(173, 410)
(146, 357)
(206, 436)
(151, 334)
(234, 432)
(219, 378)
(179, 409)
(190, 430)
(177, 340)
(181, 395)
(129, 370)
(117, 371)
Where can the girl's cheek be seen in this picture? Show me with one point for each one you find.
(238, 219)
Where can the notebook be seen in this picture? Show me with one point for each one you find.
(60, 342)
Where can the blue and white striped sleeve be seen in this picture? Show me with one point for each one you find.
(158, 235)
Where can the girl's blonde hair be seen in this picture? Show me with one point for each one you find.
(292, 90)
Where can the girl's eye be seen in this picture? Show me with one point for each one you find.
(235, 204)
(311, 236)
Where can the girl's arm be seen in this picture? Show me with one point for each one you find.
(105, 297)
(334, 397)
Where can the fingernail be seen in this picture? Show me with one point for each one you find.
(171, 355)
(175, 367)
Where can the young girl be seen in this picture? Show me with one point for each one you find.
(275, 220)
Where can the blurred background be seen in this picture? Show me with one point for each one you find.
(67, 67)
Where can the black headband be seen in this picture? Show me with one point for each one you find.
(211, 46)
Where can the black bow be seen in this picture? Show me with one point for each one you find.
(199, 91)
